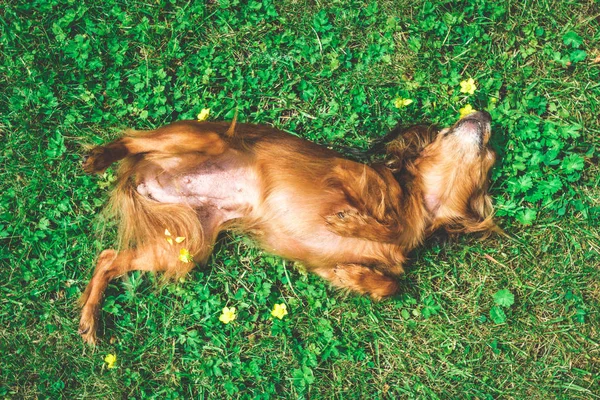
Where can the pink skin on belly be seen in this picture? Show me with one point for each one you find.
(229, 190)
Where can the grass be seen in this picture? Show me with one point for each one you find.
(76, 73)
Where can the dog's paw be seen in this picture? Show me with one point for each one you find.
(88, 325)
(339, 218)
(95, 161)
(102, 157)
(98, 160)
(343, 222)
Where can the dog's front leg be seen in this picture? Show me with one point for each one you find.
(351, 223)
(373, 204)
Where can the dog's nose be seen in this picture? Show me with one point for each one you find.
(474, 128)
(84, 159)
(479, 121)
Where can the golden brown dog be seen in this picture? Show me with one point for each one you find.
(350, 223)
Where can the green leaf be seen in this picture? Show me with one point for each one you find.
(497, 315)
(449, 19)
(414, 43)
(43, 224)
(430, 307)
(559, 58)
(572, 163)
(551, 186)
(577, 56)
(524, 183)
(580, 315)
(570, 131)
(572, 39)
(504, 298)
(550, 157)
(539, 31)
(536, 196)
(494, 345)
(527, 216)
(404, 313)
(303, 377)
(56, 146)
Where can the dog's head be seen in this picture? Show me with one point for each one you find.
(452, 172)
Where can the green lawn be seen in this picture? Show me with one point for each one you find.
(74, 73)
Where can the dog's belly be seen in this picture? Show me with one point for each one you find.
(227, 189)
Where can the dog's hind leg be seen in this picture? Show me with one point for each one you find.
(112, 264)
(177, 139)
(361, 279)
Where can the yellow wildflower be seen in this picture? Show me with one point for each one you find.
(466, 110)
(110, 361)
(227, 315)
(203, 116)
(168, 236)
(468, 86)
(402, 102)
(279, 311)
(185, 256)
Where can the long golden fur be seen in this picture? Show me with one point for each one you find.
(350, 223)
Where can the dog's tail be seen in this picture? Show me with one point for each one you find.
(144, 222)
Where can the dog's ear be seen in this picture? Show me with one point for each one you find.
(479, 216)
(406, 144)
(480, 205)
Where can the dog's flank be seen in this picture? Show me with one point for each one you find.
(350, 223)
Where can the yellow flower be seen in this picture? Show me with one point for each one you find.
(204, 114)
(227, 315)
(468, 86)
(110, 361)
(402, 102)
(185, 256)
(168, 236)
(279, 311)
(466, 110)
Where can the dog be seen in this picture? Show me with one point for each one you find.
(353, 224)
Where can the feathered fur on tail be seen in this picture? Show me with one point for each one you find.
(142, 222)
